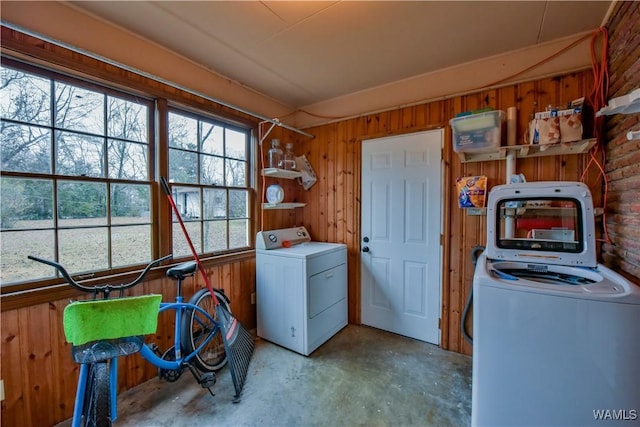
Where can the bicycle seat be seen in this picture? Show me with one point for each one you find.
(183, 270)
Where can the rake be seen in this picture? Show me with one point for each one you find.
(238, 341)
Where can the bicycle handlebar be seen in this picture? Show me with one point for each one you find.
(106, 289)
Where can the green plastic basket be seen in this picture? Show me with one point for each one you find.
(95, 320)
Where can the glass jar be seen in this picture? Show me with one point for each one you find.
(289, 157)
(275, 154)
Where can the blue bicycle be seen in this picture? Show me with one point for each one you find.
(102, 329)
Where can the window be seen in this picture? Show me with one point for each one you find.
(75, 181)
(208, 173)
(551, 224)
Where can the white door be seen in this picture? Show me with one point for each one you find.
(401, 226)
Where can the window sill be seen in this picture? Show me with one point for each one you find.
(60, 290)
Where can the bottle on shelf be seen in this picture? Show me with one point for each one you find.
(289, 158)
(275, 154)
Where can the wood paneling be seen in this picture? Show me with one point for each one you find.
(36, 367)
(39, 374)
(14, 403)
(332, 213)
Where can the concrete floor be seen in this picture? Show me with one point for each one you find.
(360, 377)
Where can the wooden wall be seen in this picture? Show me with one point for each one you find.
(36, 366)
(623, 156)
(333, 204)
(39, 374)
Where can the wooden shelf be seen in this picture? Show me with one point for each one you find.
(281, 173)
(523, 151)
(286, 174)
(284, 205)
(483, 211)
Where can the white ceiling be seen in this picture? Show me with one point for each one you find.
(305, 52)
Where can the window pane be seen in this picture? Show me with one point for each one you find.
(25, 97)
(238, 203)
(215, 203)
(79, 155)
(25, 148)
(211, 170)
(238, 233)
(212, 139)
(67, 130)
(79, 109)
(219, 163)
(84, 249)
(183, 132)
(180, 245)
(236, 175)
(183, 166)
(187, 200)
(127, 120)
(128, 160)
(16, 246)
(130, 204)
(215, 236)
(236, 144)
(130, 245)
(550, 224)
(82, 203)
(26, 203)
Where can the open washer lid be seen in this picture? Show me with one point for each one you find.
(545, 222)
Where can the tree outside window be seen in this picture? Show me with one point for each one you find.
(75, 175)
(208, 169)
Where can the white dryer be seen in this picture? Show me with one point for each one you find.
(301, 289)
(556, 335)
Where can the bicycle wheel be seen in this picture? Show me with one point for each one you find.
(97, 403)
(196, 328)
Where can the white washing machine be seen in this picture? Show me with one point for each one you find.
(301, 289)
(556, 336)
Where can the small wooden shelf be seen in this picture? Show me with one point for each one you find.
(286, 174)
(523, 151)
(538, 211)
(285, 205)
(483, 211)
(281, 173)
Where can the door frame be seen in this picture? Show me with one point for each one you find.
(445, 228)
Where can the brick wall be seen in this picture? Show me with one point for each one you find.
(622, 164)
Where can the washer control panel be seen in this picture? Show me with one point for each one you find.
(282, 238)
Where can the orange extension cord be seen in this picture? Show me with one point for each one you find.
(598, 100)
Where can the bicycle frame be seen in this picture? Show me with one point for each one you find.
(148, 354)
(179, 307)
(125, 345)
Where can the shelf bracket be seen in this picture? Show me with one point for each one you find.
(275, 122)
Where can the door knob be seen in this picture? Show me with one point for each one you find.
(365, 249)
(366, 239)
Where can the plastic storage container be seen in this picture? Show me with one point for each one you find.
(477, 132)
